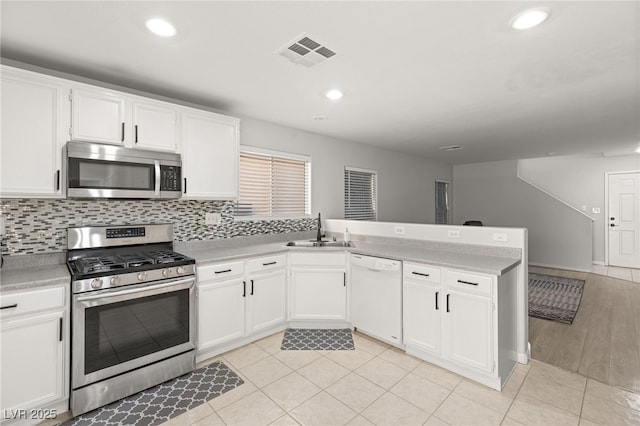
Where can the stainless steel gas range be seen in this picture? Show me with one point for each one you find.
(133, 311)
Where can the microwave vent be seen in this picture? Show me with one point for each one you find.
(305, 51)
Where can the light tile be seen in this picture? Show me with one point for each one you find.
(265, 371)
(271, 344)
(458, 410)
(586, 422)
(254, 409)
(391, 410)
(372, 346)
(621, 273)
(297, 359)
(191, 416)
(209, 361)
(635, 275)
(233, 395)
(599, 269)
(508, 421)
(437, 375)
(490, 398)
(514, 383)
(291, 391)
(613, 394)
(245, 355)
(562, 397)
(529, 411)
(323, 372)
(434, 421)
(606, 412)
(355, 391)
(211, 420)
(322, 410)
(360, 421)
(556, 375)
(350, 359)
(421, 392)
(400, 358)
(285, 420)
(381, 372)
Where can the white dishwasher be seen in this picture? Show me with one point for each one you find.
(376, 297)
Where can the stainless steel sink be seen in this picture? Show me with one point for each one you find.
(314, 243)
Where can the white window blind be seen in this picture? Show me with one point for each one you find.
(360, 194)
(273, 185)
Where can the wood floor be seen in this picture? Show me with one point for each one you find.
(603, 342)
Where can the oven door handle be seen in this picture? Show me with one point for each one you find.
(156, 166)
(136, 290)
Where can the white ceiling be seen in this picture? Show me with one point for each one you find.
(416, 75)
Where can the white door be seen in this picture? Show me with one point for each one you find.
(624, 219)
(155, 126)
(267, 300)
(98, 116)
(221, 310)
(318, 294)
(422, 315)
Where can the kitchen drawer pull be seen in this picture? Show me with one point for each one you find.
(136, 129)
(448, 303)
(252, 287)
(60, 330)
(467, 282)
(122, 138)
(244, 289)
(57, 180)
(437, 293)
(269, 263)
(420, 273)
(224, 271)
(15, 305)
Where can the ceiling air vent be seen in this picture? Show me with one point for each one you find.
(305, 51)
(451, 148)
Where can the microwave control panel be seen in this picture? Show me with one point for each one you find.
(170, 178)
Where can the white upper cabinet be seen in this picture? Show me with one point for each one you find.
(155, 126)
(210, 155)
(98, 116)
(34, 125)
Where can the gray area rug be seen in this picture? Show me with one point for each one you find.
(554, 298)
(160, 403)
(315, 339)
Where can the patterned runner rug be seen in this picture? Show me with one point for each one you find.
(160, 403)
(312, 339)
(554, 298)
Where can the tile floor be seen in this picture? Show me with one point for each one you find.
(627, 274)
(376, 384)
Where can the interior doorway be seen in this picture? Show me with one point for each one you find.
(443, 210)
(623, 219)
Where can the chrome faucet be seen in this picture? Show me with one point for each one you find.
(319, 234)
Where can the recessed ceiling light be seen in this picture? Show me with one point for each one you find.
(530, 18)
(160, 27)
(334, 94)
(638, 150)
(320, 117)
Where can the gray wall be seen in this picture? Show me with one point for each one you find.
(491, 192)
(579, 181)
(405, 183)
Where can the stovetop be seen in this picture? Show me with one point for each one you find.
(126, 262)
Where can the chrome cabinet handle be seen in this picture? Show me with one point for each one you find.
(224, 271)
(467, 282)
(420, 273)
(15, 305)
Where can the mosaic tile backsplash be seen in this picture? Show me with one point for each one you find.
(39, 226)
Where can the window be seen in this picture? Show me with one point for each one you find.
(442, 202)
(360, 194)
(273, 184)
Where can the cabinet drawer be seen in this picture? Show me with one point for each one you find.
(266, 263)
(421, 272)
(468, 282)
(220, 271)
(319, 259)
(23, 302)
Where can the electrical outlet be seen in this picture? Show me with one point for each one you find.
(583, 208)
(212, 218)
(453, 234)
(399, 230)
(499, 236)
(595, 210)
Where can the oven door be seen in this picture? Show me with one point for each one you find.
(115, 331)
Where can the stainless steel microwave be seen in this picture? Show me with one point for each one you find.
(107, 171)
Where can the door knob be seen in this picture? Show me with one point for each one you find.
(612, 225)
(612, 218)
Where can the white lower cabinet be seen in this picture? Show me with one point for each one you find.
(34, 352)
(237, 300)
(450, 319)
(318, 286)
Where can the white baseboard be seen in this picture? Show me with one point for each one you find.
(544, 265)
(599, 263)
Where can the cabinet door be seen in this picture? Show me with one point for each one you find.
(422, 307)
(98, 116)
(468, 328)
(210, 155)
(267, 300)
(33, 134)
(32, 361)
(318, 294)
(155, 126)
(221, 312)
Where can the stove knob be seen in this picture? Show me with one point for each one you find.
(180, 270)
(96, 283)
(142, 276)
(166, 272)
(115, 280)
